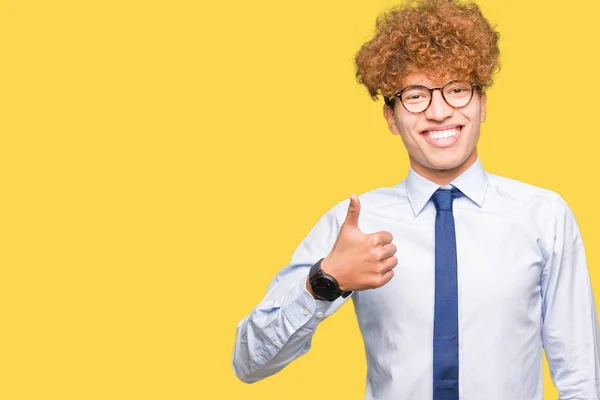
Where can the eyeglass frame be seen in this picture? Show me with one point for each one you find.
(388, 100)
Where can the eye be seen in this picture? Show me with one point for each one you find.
(415, 97)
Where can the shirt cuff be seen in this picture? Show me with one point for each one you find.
(302, 308)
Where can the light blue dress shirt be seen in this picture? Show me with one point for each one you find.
(523, 284)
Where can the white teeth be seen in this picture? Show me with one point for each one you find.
(443, 134)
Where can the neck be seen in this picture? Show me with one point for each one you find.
(443, 176)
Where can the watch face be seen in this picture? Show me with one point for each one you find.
(323, 287)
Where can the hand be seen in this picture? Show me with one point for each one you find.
(360, 261)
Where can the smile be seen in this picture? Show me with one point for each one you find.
(444, 137)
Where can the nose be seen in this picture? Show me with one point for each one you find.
(438, 110)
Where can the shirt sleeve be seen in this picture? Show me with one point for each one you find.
(280, 328)
(569, 317)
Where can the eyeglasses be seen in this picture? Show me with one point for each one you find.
(417, 98)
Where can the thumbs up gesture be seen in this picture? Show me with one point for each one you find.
(360, 261)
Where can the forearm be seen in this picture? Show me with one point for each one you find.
(279, 329)
(572, 344)
(276, 332)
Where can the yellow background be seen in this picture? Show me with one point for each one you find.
(160, 162)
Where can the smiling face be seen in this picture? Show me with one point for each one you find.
(441, 141)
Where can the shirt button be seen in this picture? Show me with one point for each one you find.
(304, 310)
(319, 314)
(276, 342)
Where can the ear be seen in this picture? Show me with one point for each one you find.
(483, 106)
(388, 114)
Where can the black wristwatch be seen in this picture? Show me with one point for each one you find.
(323, 285)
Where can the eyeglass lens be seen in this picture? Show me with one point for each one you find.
(417, 98)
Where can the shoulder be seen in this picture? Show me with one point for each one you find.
(518, 188)
(523, 193)
(377, 199)
(543, 204)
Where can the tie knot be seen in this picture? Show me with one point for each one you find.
(442, 198)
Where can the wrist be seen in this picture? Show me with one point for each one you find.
(326, 267)
(324, 286)
(309, 287)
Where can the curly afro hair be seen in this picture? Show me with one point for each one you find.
(442, 38)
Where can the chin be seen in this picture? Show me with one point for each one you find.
(446, 163)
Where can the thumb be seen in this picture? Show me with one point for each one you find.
(353, 211)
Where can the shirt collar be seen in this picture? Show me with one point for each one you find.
(472, 182)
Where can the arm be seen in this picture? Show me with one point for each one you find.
(280, 328)
(569, 318)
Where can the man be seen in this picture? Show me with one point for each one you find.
(459, 277)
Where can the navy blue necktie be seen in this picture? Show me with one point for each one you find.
(445, 323)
